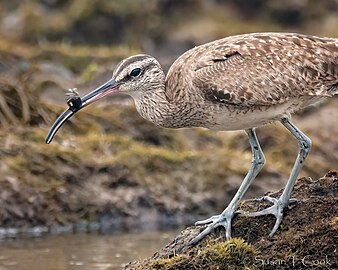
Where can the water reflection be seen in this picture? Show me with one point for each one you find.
(80, 251)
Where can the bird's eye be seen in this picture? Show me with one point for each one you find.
(135, 72)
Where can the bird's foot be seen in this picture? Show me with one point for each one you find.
(275, 209)
(224, 219)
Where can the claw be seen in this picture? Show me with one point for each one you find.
(293, 200)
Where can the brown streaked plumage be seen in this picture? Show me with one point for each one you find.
(239, 82)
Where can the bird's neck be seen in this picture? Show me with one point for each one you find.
(155, 107)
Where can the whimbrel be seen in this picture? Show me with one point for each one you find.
(236, 83)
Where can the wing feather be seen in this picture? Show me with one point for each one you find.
(266, 69)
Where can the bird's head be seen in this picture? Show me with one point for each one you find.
(134, 76)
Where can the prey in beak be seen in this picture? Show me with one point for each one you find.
(76, 103)
(74, 100)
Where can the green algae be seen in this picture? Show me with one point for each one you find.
(224, 255)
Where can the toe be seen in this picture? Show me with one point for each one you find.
(220, 220)
(206, 221)
(199, 237)
(270, 199)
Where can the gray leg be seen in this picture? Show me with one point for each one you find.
(278, 205)
(304, 143)
(224, 219)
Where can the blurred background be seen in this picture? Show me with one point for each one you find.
(108, 170)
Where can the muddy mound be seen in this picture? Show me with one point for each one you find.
(307, 238)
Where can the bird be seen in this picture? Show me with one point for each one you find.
(239, 82)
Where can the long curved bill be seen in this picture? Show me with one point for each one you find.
(106, 89)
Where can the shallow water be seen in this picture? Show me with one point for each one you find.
(80, 251)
